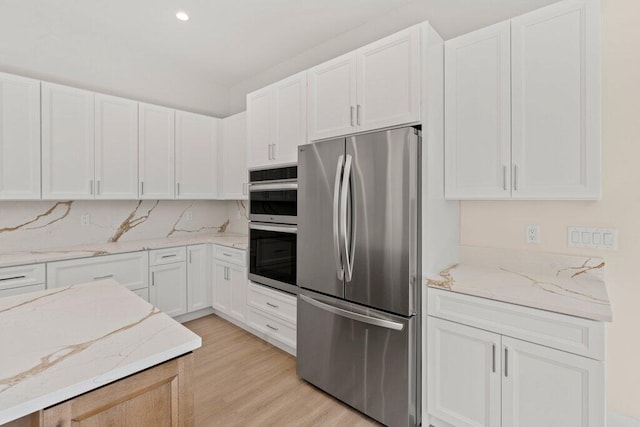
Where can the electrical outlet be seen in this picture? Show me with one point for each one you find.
(533, 234)
(189, 216)
(85, 219)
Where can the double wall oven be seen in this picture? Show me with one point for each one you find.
(273, 218)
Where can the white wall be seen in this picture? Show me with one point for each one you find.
(502, 224)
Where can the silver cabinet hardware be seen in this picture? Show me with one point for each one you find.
(504, 177)
(141, 188)
(153, 278)
(493, 356)
(177, 188)
(515, 177)
(190, 257)
(91, 185)
(13, 278)
(272, 305)
(108, 276)
(506, 361)
(169, 256)
(358, 114)
(273, 152)
(226, 254)
(272, 327)
(352, 116)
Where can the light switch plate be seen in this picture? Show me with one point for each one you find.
(592, 238)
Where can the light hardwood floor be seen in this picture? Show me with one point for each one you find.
(241, 380)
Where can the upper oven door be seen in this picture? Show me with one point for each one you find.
(274, 201)
(272, 254)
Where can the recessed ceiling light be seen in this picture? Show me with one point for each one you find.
(181, 15)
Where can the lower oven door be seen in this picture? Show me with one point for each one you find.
(272, 255)
(363, 357)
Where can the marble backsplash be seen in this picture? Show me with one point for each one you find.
(27, 226)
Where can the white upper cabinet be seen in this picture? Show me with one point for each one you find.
(556, 102)
(196, 156)
(67, 143)
(478, 114)
(374, 87)
(388, 84)
(260, 127)
(291, 118)
(570, 388)
(526, 125)
(156, 152)
(19, 138)
(116, 148)
(232, 160)
(332, 98)
(276, 122)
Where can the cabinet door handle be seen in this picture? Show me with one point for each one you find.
(493, 357)
(506, 361)
(504, 177)
(272, 305)
(358, 114)
(91, 186)
(153, 278)
(273, 152)
(272, 327)
(352, 115)
(190, 257)
(515, 177)
(177, 188)
(141, 188)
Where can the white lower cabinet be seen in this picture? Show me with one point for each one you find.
(229, 294)
(483, 378)
(22, 279)
(198, 289)
(168, 289)
(273, 313)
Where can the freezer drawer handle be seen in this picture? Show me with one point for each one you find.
(354, 316)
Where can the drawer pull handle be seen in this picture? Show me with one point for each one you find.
(272, 327)
(272, 305)
(169, 256)
(226, 254)
(108, 276)
(13, 278)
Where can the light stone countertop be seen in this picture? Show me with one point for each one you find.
(563, 284)
(237, 241)
(60, 343)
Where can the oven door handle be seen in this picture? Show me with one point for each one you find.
(273, 186)
(275, 228)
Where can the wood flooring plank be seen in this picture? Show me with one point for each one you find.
(241, 380)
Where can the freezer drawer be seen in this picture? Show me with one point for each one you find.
(361, 356)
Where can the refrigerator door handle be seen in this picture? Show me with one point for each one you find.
(336, 220)
(375, 321)
(344, 193)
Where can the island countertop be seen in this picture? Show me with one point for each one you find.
(60, 343)
(571, 285)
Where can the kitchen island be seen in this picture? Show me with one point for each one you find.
(93, 354)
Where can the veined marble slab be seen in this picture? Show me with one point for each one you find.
(564, 284)
(237, 241)
(60, 343)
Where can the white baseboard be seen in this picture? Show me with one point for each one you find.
(194, 315)
(618, 420)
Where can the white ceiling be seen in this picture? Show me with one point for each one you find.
(225, 41)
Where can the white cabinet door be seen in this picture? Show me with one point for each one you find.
(198, 288)
(478, 114)
(463, 375)
(116, 148)
(232, 160)
(332, 98)
(156, 152)
(196, 156)
(238, 303)
(168, 289)
(291, 118)
(556, 102)
(551, 388)
(19, 138)
(221, 295)
(388, 86)
(67, 143)
(260, 127)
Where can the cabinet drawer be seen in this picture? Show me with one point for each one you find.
(227, 254)
(279, 330)
(167, 256)
(273, 302)
(130, 270)
(21, 290)
(567, 333)
(23, 275)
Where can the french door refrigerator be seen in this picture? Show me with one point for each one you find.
(357, 263)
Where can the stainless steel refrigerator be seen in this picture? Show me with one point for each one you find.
(357, 263)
